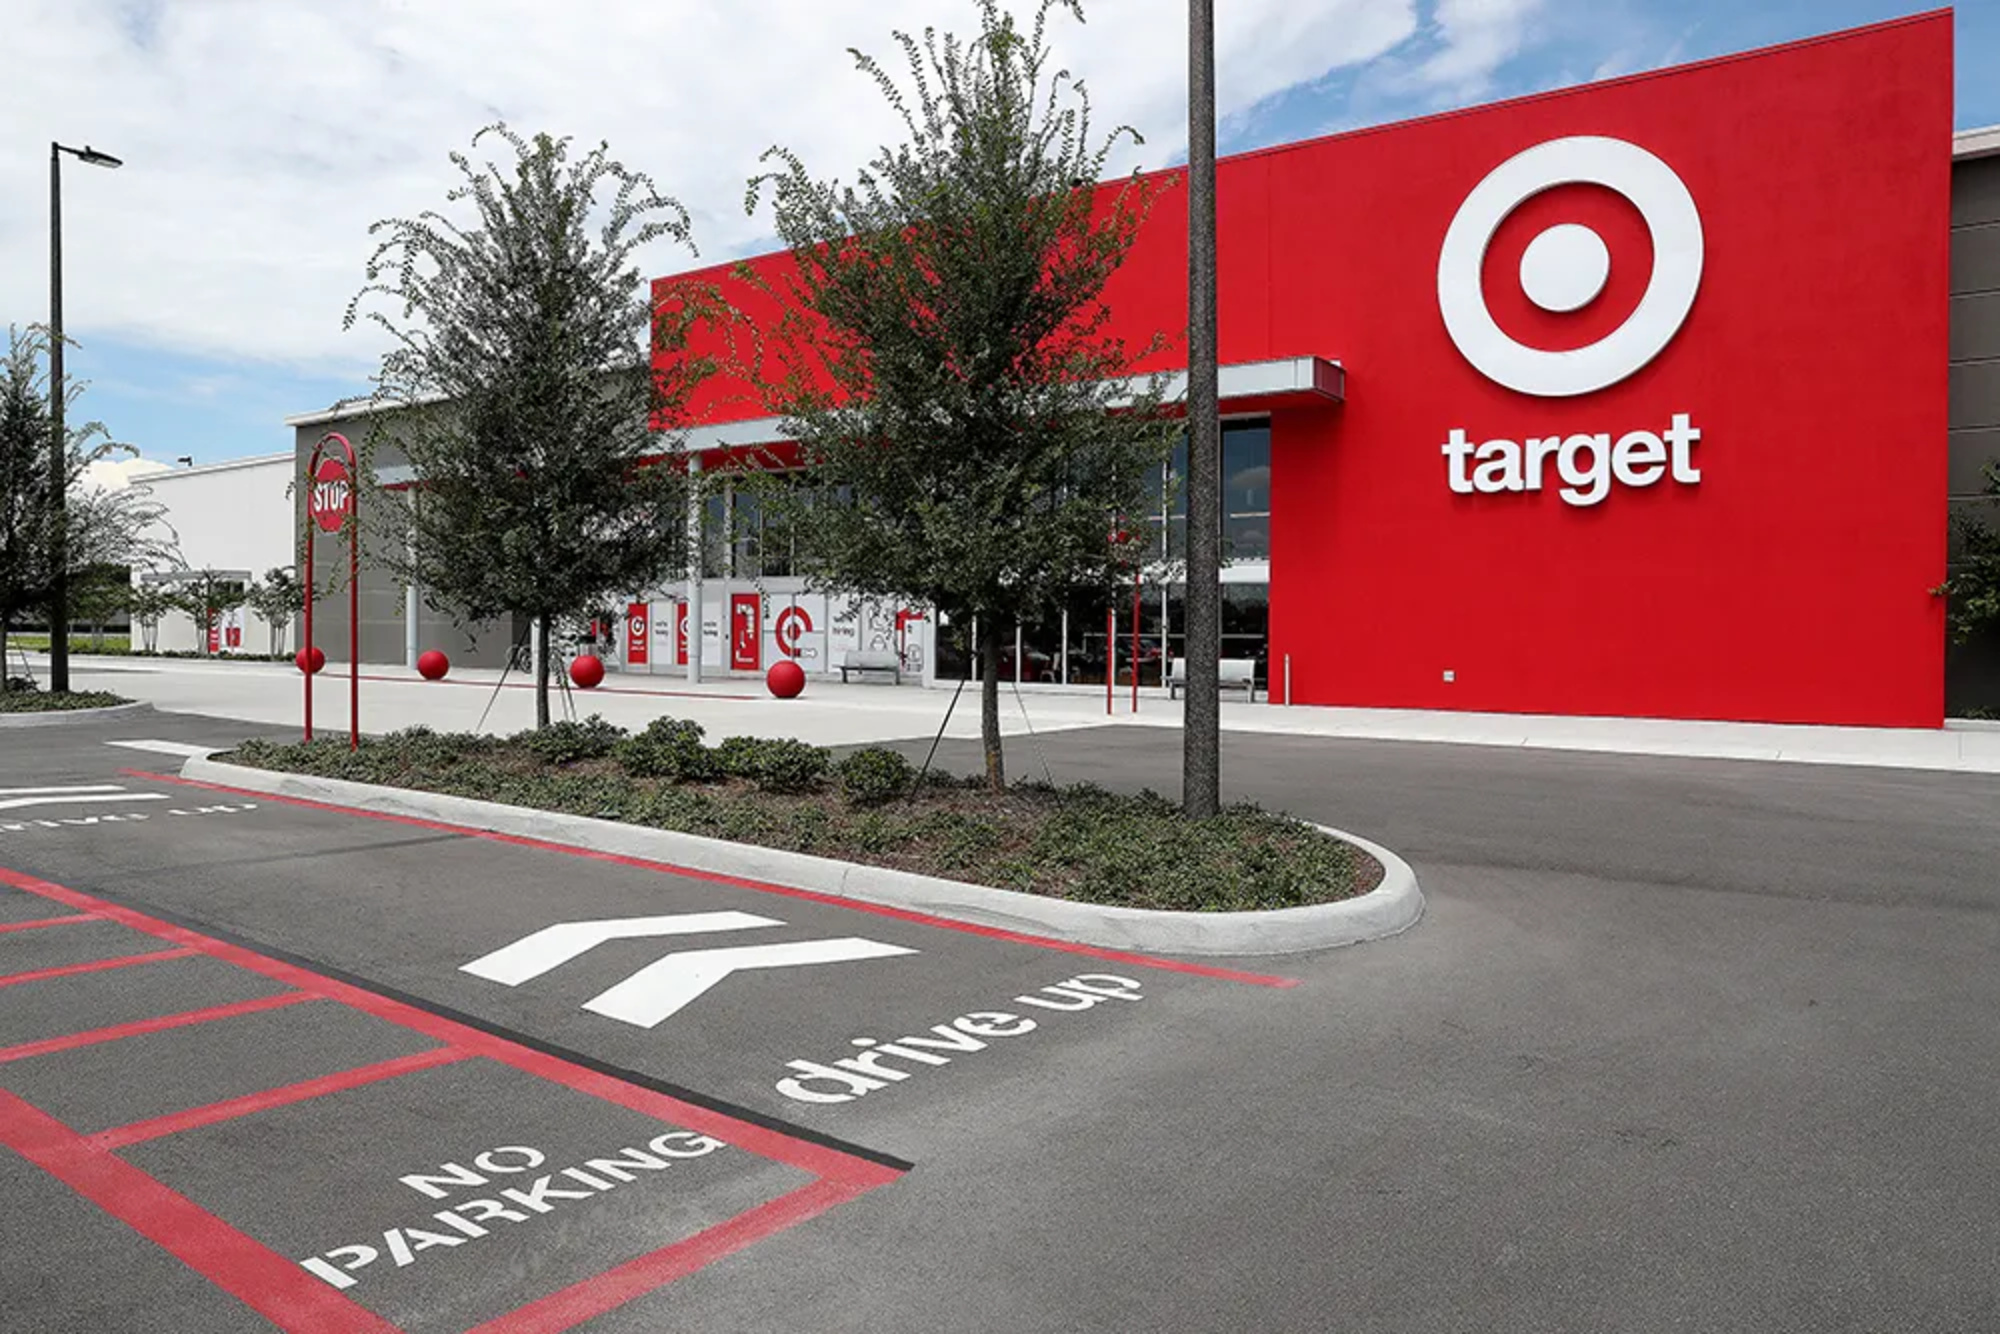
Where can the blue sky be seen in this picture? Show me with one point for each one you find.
(243, 330)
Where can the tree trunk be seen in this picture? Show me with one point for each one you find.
(4, 673)
(989, 703)
(542, 673)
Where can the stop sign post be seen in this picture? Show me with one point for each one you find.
(331, 502)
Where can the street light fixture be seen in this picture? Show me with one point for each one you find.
(58, 439)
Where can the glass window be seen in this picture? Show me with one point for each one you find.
(1246, 491)
(1085, 638)
(715, 525)
(1041, 651)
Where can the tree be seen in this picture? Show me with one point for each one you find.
(949, 374)
(101, 527)
(98, 594)
(206, 594)
(149, 603)
(276, 598)
(522, 386)
(1975, 590)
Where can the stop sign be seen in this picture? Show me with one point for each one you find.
(332, 495)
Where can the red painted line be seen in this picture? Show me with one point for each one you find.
(760, 886)
(635, 1278)
(267, 1282)
(771, 1144)
(173, 1123)
(92, 1036)
(38, 924)
(95, 966)
(300, 1303)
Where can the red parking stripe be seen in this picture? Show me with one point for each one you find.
(256, 1275)
(173, 1123)
(37, 925)
(635, 1278)
(773, 1144)
(301, 1304)
(92, 1036)
(761, 886)
(97, 965)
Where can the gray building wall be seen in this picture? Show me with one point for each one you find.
(382, 600)
(1972, 671)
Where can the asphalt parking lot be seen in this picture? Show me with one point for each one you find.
(1679, 1045)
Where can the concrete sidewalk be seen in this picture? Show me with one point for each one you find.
(834, 714)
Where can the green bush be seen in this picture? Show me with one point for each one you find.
(669, 748)
(873, 776)
(787, 765)
(419, 746)
(738, 756)
(774, 765)
(566, 742)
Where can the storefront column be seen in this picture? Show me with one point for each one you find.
(694, 575)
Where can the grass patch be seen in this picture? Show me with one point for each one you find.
(1078, 842)
(46, 701)
(77, 643)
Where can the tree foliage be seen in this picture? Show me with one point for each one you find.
(100, 527)
(1974, 591)
(520, 385)
(948, 367)
(276, 598)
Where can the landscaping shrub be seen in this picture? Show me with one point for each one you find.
(669, 748)
(873, 776)
(567, 741)
(737, 756)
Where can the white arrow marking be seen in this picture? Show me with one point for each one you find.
(660, 990)
(554, 946)
(15, 803)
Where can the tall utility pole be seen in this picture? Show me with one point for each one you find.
(58, 438)
(1201, 728)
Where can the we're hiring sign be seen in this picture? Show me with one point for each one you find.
(1646, 392)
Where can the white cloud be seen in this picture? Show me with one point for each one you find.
(263, 136)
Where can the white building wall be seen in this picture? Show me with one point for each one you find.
(234, 516)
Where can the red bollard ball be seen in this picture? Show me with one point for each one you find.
(432, 665)
(586, 670)
(318, 660)
(785, 679)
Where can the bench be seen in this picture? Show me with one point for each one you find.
(1234, 674)
(866, 660)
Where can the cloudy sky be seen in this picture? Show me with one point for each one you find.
(206, 279)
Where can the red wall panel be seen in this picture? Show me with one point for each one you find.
(1792, 583)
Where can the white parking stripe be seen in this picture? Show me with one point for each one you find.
(16, 803)
(181, 748)
(43, 791)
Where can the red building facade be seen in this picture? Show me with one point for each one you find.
(1628, 399)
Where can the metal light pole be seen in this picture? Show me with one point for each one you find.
(1201, 728)
(58, 439)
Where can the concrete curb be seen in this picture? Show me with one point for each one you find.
(1391, 907)
(58, 717)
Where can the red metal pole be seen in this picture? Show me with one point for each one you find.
(305, 651)
(353, 609)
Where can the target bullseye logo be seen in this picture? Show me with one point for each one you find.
(1565, 268)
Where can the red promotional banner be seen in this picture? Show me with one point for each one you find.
(681, 633)
(746, 627)
(638, 640)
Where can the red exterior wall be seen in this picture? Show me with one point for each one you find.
(1792, 583)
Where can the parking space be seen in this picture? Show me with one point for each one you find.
(337, 1160)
